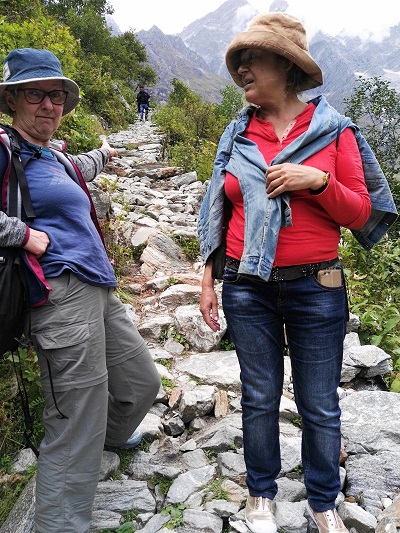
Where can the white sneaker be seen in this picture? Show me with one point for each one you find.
(259, 515)
(328, 521)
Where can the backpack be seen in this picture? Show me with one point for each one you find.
(142, 97)
(14, 303)
(14, 293)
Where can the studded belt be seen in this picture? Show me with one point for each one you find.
(288, 273)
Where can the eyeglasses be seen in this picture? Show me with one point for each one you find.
(35, 96)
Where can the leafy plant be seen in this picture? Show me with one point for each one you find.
(192, 128)
(226, 345)
(165, 362)
(11, 491)
(299, 469)
(172, 281)
(373, 284)
(125, 457)
(80, 131)
(127, 526)
(180, 338)
(167, 384)
(217, 491)
(175, 511)
(232, 102)
(144, 446)
(163, 337)
(189, 245)
(211, 454)
(162, 482)
(298, 422)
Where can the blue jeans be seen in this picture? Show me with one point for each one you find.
(143, 110)
(314, 317)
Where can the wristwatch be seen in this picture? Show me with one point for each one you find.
(325, 179)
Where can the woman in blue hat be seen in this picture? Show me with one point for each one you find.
(97, 375)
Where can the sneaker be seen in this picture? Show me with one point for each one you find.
(328, 521)
(259, 516)
(134, 440)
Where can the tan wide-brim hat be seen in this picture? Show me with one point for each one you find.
(276, 32)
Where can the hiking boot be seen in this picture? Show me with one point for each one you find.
(134, 440)
(328, 521)
(259, 516)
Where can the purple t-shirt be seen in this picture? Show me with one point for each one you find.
(62, 210)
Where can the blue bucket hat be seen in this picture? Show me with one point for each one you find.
(29, 64)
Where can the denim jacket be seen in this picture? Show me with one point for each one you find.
(241, 157)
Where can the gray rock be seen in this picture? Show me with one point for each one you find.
(197, 520)
(153, 328)
(390, 519)
(217, 368)
(155, 523)
(122, 496)
(222, 508)
(290, 517)
(188, 483)
(290, 490)
(109, 464)
(354, 516)
(25, 459)
(197, 402)
(195, 459)
(21, 518)
(103, 519)
(231, 465)
(189, 322)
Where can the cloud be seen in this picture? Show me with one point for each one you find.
(369, 20)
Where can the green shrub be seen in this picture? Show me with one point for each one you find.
(175, 511)
(373, 284)
(190, 246)
(80, 131)
(163, 483)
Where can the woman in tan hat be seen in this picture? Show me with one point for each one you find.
(287, 175)
(97, 374)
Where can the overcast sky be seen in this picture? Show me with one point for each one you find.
(366, 18)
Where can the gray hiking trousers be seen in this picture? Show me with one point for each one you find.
(104, 382)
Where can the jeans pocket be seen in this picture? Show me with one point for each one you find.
(326, 284)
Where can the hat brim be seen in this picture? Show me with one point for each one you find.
(273, 42)
(68, 84)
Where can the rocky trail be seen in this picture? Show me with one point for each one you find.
(189, 474)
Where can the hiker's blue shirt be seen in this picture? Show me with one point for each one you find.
(263, 216)
(62, 210)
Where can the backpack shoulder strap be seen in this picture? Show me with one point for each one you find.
(338, 133)
(17, 182)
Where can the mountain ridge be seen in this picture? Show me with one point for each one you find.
(196, 55)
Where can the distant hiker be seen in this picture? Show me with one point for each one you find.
(142, 99)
